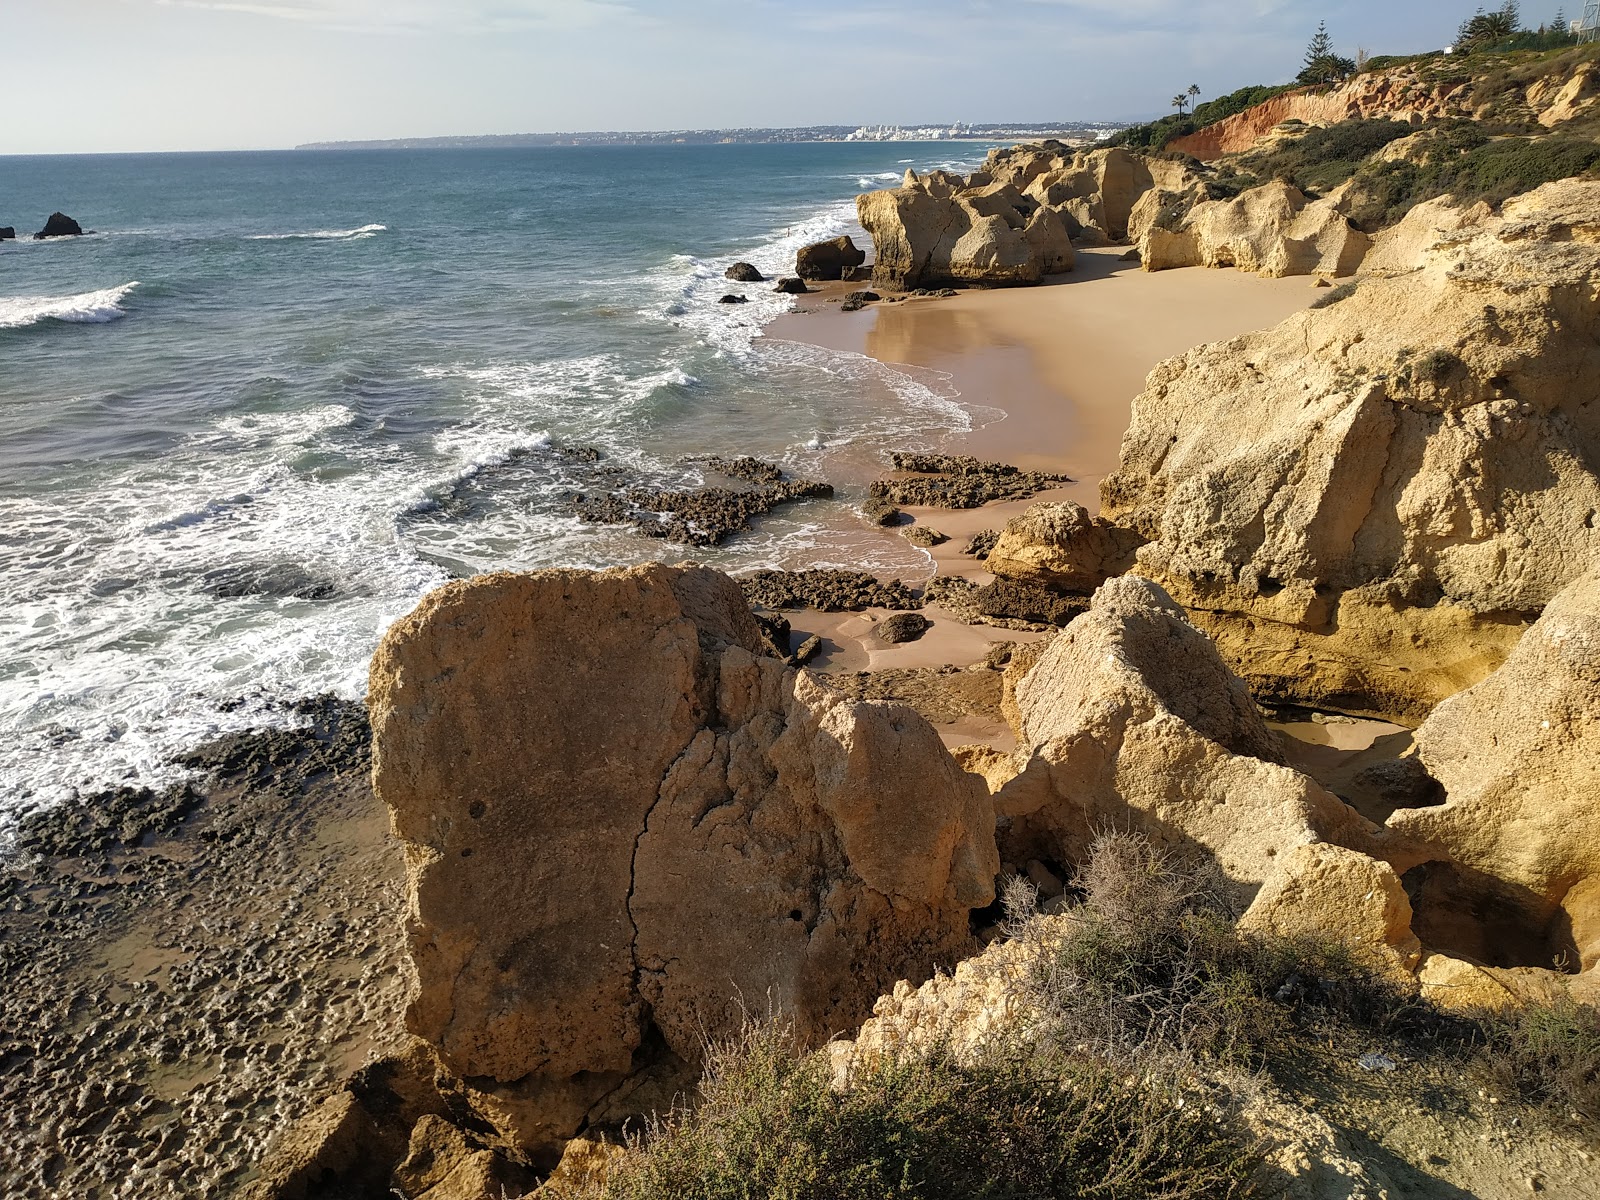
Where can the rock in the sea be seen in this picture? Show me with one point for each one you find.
(940, 229)
(790, 286)
(1130, 721)
(902, 627)
(1062, 546)
(880, 511)
(829, 259)
(1519, 759)
(743, 272)
(1367, 505)
(1272, 230)
(731, 298)
(8, 233)
(625, 822)
(59, 225)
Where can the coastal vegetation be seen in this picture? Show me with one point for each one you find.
(1144, 1018)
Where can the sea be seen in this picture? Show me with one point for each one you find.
(275, 398)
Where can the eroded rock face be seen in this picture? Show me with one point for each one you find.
(622, 819)
(1272, 230)
(828, 260)
(1333, 892)
(1367, 505)
(1062, 546)
(1131, 721)
(941, 229)
(1519, 758)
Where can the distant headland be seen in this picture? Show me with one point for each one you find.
(937, 132)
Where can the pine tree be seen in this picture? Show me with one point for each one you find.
(1321, 47)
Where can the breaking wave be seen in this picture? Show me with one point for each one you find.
(324, 235)
(86, 308)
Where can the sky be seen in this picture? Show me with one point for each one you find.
(87, 76)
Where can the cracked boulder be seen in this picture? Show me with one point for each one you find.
(625, 824)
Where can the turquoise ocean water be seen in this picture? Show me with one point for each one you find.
(276, 398)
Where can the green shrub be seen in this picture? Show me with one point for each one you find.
(1013, 1124)
(1157, 134)
(1324, 158)
(1547, 1055)
(1153, 967)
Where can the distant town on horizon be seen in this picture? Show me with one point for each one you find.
(934, 132)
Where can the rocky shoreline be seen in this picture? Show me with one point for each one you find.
(599, 818)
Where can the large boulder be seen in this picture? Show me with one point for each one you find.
(59, 225)
(1062, 546)
(1519, 758)
(939, 230)
(1097, 190)
(1367, 505)
(828, 260)
(1272, 230)
(1131, 721)
(624, 822)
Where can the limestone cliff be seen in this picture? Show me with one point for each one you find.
(1402, 94)
(1367, 505)
(941, 229)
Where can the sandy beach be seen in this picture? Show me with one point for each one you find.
(1062, 361)
(1057, 367)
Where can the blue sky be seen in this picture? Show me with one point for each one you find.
(112, 75)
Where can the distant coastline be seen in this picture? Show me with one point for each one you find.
(958, 132)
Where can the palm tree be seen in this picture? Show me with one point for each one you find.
(1194, 94)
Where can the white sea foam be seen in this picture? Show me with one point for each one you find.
(86, 308)
(324, 235)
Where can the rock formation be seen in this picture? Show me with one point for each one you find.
(8, 233)
(1273, 230)
(1367, 505)
(1094, 191)
(623, 820)
(1400, 94)
(1519, 833)
(828, 260)
(59, 225)
(1130, 720)
(743, 272)
(1061, 546)
(941, 229)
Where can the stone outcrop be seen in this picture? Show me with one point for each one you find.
(829, 259)
(1062, 546)
(1367, 505)
(743, 272)
(1094, 191)
(1329, 891)
(1519, 758)
(1272, 230)
(940, 229)
(59, 225)
(623, 820)
(1131, 721)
